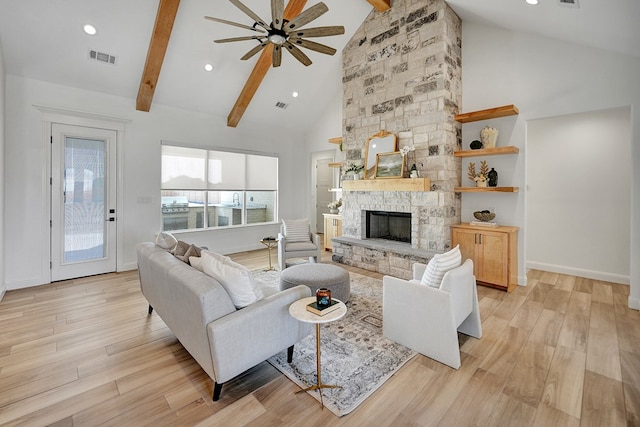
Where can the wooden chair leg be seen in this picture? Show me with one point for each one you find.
(290, 354)
(217, 390)
(150, 309)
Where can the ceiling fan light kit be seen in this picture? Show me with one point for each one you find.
(283, 33)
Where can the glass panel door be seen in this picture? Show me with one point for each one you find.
(83, 194)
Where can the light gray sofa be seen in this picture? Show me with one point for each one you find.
(223, 340)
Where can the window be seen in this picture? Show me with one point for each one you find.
(212, 188)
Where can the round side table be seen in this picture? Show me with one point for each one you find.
(298, 310)
(269, 242)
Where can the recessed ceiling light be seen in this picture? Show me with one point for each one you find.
(208, 67)
(294, 94)
(89, 29)
(532, 2)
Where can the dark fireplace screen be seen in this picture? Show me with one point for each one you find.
(394, 226)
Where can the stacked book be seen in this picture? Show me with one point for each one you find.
(322, 310)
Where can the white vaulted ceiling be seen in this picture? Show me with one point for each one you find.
(43, 40)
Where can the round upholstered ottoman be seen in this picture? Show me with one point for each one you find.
(316, 276)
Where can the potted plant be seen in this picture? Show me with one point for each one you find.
(333, 206)
(481, 177)
(354, 169)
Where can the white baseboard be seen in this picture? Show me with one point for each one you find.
(589, 274)
(128, 267)
(522, 280)
(12, 286)
(634, 303)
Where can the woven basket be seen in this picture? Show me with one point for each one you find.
(484, 216)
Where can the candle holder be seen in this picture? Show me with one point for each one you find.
(323, 297)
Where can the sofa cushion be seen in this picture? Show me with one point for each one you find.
(296, 230)
(166, 240)
(300, 246)
(440, 264)
(234, 278)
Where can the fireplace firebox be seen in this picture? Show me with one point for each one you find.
(394, 226)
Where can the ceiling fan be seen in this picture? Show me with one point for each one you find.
(283, 34)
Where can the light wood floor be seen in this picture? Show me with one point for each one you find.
(563, 351)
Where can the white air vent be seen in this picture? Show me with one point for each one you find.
(569, 3)
(102, 57)
(282, 105)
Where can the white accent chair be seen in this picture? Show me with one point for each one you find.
(311, 248)
(427, 319)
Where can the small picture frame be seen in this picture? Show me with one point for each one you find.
(389, 165)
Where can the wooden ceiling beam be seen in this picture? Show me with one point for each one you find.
(293, 9)
(381, 5)
(167, 11)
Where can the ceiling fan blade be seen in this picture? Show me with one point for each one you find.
(254, 50)
(235, 24)
(277, 13)
(306, 16)
(317, 32)
(314, 46)
(298, 54)
(250, 14)
(277, 55)
(239, 39)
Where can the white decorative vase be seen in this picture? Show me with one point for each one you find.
(481, 183)
(489, 136)
(333, 211)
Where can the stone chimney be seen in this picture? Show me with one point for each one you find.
(402, 74)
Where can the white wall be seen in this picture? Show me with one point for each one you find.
(3, 283)
(140, 216)
(547, 78)
(579, 194)
(327, 126)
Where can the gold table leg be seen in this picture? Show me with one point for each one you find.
(319, 385)
(269, 246)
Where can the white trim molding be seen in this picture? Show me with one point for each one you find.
(589, 274)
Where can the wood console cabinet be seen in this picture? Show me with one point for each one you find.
(332, 228)
(494, 251)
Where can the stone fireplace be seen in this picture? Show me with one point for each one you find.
(388, 225)
(402, 74)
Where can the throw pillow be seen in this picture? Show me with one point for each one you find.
(166, 240)
(196, 262)
(193, 251)
(234, 278)
(180, 250)
(440, 264)
(296, 230)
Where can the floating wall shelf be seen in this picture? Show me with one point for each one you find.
(491, 113)
(337, 140)
(487, 152)
(486, 189)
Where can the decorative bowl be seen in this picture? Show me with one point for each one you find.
(484, 216)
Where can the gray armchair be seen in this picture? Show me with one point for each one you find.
(296, 240)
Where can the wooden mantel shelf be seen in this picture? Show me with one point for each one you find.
(388, 184)
(491, 113)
